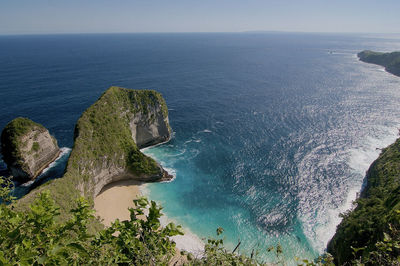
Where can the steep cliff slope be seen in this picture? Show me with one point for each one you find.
(105, 151)
(27, 148)
(376, 209)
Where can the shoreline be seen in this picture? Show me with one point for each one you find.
(189, 242)
(114, 200)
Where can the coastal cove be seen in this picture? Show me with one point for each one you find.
(115, 199)
(271, 143)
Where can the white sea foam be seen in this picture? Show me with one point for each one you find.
(206, 131)
(27, 184)
(158, 144)
(324, 232)
(197, 140)
(144, 190)
(171, 172)
(359, 160)
(189, 241)
(64, 151)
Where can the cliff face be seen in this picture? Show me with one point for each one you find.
(104, 148)
(27, 148)
(376, 209)
(150, 128)
(108, 137)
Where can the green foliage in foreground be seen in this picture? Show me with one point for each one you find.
(35, 237)
(391, 61)
(216, 254)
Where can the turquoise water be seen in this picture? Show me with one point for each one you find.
(273, 133)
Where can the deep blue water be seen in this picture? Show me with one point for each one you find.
(273, 132)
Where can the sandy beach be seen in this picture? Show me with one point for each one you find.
(115, 199)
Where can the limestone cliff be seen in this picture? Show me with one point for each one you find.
(27, 148)
(109, 134)
(105, 148)
(150, 128)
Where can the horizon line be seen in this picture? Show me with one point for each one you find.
(196, 32)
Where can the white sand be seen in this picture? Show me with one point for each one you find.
(115, 199)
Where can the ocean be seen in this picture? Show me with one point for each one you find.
(273, 132)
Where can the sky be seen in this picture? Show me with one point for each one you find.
(112, 16)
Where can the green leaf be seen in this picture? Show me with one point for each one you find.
(77, 247)
(386, 237)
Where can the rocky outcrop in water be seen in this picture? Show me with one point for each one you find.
(27, 148)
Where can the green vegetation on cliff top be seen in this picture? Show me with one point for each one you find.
(377, 211)
(103, 140)
(391, 61)
(103, 136)
(11, 142)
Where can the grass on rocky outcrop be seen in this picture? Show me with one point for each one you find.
(11, 142)
(102, 139)
(103, 136)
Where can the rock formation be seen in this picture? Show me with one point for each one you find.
(27, 148)
(150, 128)
(104, 148)
(109, 134)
